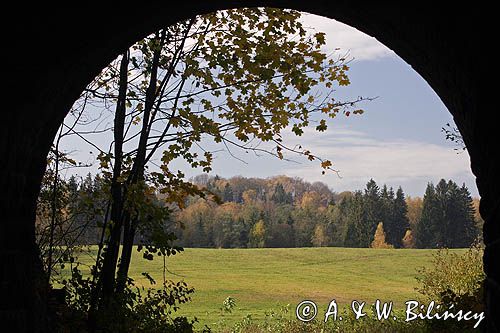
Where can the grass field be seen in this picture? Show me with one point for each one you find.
(264, 279)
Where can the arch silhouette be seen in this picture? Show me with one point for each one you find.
(54, 52)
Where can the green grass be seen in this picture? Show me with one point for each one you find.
(263, 279)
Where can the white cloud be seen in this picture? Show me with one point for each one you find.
(339, 35)
(359, 157)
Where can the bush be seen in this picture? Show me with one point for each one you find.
(459, 274)
(454, 279)
(280, 321)
(136, 310)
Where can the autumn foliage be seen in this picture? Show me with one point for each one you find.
(379, 238)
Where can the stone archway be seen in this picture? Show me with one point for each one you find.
(53, 54)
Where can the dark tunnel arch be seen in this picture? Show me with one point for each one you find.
(62, 52)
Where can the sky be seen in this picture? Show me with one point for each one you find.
(397, 141)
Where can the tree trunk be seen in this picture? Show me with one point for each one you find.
(125, 259)
(117, 189)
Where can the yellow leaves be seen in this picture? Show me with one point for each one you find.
(344, 81)
(279, 152)
(136, 120)
(320, 38)
(175, 121)
(258, 233)
(310, 156)
(255, 73)
(302, 47)
(311, 200)
(297, 130)
(241, 135)
(322, 126)
(326, 164)
(104, 160)
(249, 196)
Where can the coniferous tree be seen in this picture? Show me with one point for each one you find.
(372, 212)
(427, 227)
(386, 208)
(337, 217)
(199, 234)
(398, 221)
(357, 234)
(351, 236)
(281, 235)
(385, 204)
(442, 223)
(228, 195)
(447, 217)
(461, 230)
(470, 230)
(280, 196)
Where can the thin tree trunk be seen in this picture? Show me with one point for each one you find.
(137, 173)
(126, 256)
(117, 195)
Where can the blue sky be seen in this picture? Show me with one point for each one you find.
(397, 141)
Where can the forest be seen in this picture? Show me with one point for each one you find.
(286, 212)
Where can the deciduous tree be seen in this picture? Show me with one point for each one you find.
(236, 77)
(379, 241)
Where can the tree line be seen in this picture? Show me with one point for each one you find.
(290, 212)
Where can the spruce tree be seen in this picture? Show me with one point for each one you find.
(199, 237)
(464, 229)
(280, 196)
(357, 234)
(228, 195)
(441, 221)
(398, 221)
(386, 205)
(351, 237)
(453, 215)
(426, 228)
(372, 212)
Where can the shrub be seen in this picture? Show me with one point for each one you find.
(454, 279)
(460, 274)
(280, 321)
(135, 310)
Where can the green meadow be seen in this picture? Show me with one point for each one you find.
(264, 279)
